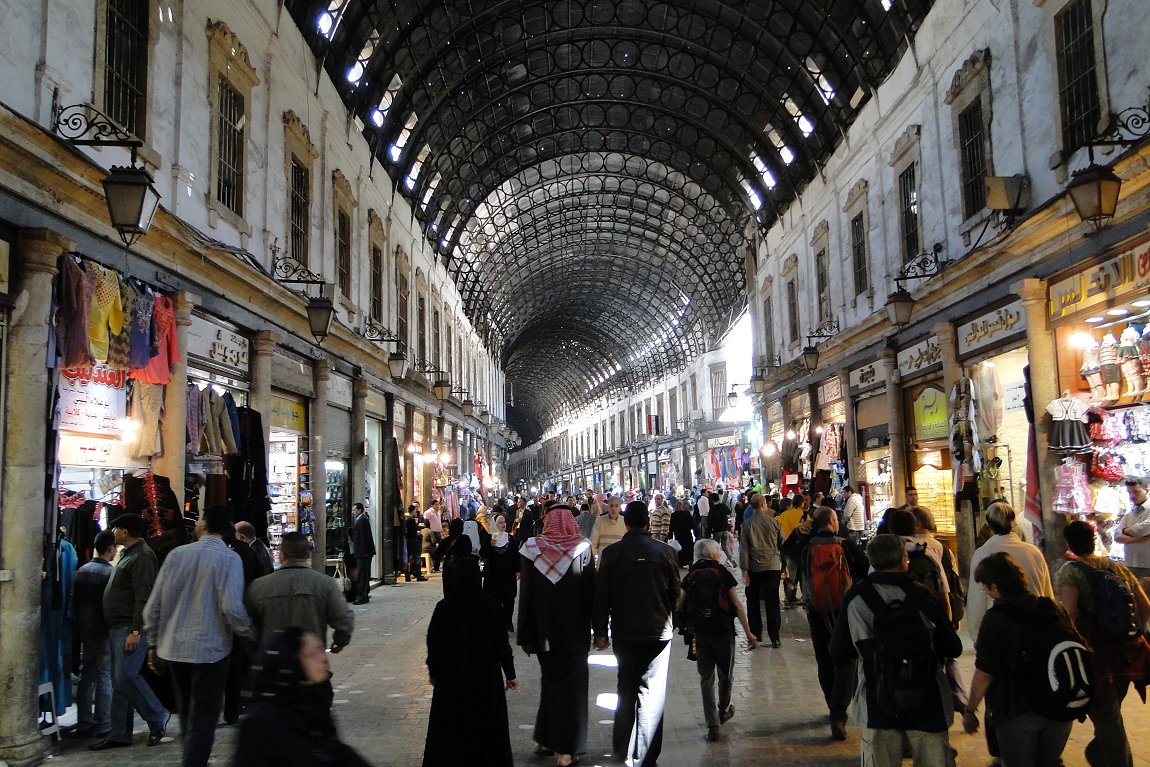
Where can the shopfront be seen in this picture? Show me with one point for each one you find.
(1100, 424)
(928, 461)
(873, 474)
(797, 458)
(991, 400)
(289, 475)
(337, 444)
(829, 473)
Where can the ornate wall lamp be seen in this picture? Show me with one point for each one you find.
(1094, 189)
(320, 309)
(900, 303)
(825, 330)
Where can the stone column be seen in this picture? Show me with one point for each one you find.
(173, 429)
(1043, 354)
(263, 346)
(408, 458)
(317, 444)
(850, 436)
(26, 482)
(951, 373)
(357, 461)
(896, 429)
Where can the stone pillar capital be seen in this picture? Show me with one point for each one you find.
(183, 302)
(40, 248)
(1031, 290)
(321, 369)
(360, 388)
(265, 341)
(945, 331)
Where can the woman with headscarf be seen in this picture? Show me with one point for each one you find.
(501, 567)
(558, 589)
(683, 532)
(288, 722)
(468, 720)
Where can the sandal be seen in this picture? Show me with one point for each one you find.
(542, 750)
(571, 759)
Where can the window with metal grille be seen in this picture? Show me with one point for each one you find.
(858, 254)
(449, 348)
(126, 62)
(972, 145)
(300, 210)
(792, 311)
(376, 282)
(230, 147)
(718, 392)
(1078, 97)
(436, 354)
(402, 308)
(823, 282)
(421, 327)
(694, 392)
(769, 327)
(908, 212)
(343, 253)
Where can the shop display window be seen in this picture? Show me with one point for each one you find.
(1001, 426)
(1100, 423)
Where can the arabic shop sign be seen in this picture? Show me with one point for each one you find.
(868, 375)
(1125, 273)
(930, 418)
(920, 356)
(92, 400)
(217, 344)
(991, 328)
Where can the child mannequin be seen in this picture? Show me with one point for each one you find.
(1131, 363)
(1111, 371)
(1091, 368)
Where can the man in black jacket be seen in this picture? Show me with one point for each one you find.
(363, 546)
(636, 588)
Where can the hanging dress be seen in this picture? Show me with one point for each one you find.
(1071, 490)
(1068, 434)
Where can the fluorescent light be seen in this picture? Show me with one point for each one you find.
(1094, 319)
(1117, 312)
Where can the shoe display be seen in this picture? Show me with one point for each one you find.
(104, 745)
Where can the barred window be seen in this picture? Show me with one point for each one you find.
(858, 254)
(230, 147)
(376, 282)
(1078, 96)
(343, 253)
(300, 205)
(908, 212)
(823, 282)
(126, 62)
(972, 145)
(436, 352)
(792, 311)
(769, 327)
(403, 306)
(450, 349)
(718, 391)
(421, 327)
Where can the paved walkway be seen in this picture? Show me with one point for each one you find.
(383, 698)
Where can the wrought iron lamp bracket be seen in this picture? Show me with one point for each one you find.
(922, 266)
(823, 331)
(84, 125)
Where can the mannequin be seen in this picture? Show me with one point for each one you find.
(1144, 356)
(1091, 368)
(1111, 371)
(1131, 362)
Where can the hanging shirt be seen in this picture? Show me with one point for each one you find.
(140, 327)
(107, 311)
(158, 369)
(120, 344)
(74, 294)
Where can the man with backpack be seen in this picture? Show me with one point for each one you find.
(708, 605)
(1110, 610)
(830, 565)
(1031, 666)
(897, 635)
(924, 556)
(761, 561)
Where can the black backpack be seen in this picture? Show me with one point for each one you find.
(707, 607)
(1054, 670)
(905, 667)
(1114, 610)
(923, 570)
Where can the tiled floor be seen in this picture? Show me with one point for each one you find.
(382, 701)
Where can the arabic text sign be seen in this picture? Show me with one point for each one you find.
(868, 375)
(92, 400)
(922, 355)
(991, 327)
(218, 344)
(1129, 271)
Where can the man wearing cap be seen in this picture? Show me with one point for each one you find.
(128, 589)
(196, 607)
(636, 589)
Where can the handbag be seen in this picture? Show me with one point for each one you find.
(342, 581)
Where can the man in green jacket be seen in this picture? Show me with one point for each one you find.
(127, 592)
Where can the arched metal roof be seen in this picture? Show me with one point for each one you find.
(589, 169)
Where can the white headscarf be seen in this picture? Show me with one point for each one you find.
(499, 538)
(471, 530)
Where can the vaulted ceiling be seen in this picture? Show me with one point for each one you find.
(589, 170)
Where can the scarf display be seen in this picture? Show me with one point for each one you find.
(558, 546)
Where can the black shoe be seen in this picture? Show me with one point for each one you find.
(422, 578)
(712, 733)
(105, 744)
(360, 602)
(726, 715)
(776, 644)
(155, 737)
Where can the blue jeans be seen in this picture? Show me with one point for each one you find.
(200, 699)
(130, 693)
(94, 693)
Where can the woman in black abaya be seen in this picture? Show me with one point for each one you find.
(501, 567)
(468, 721)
